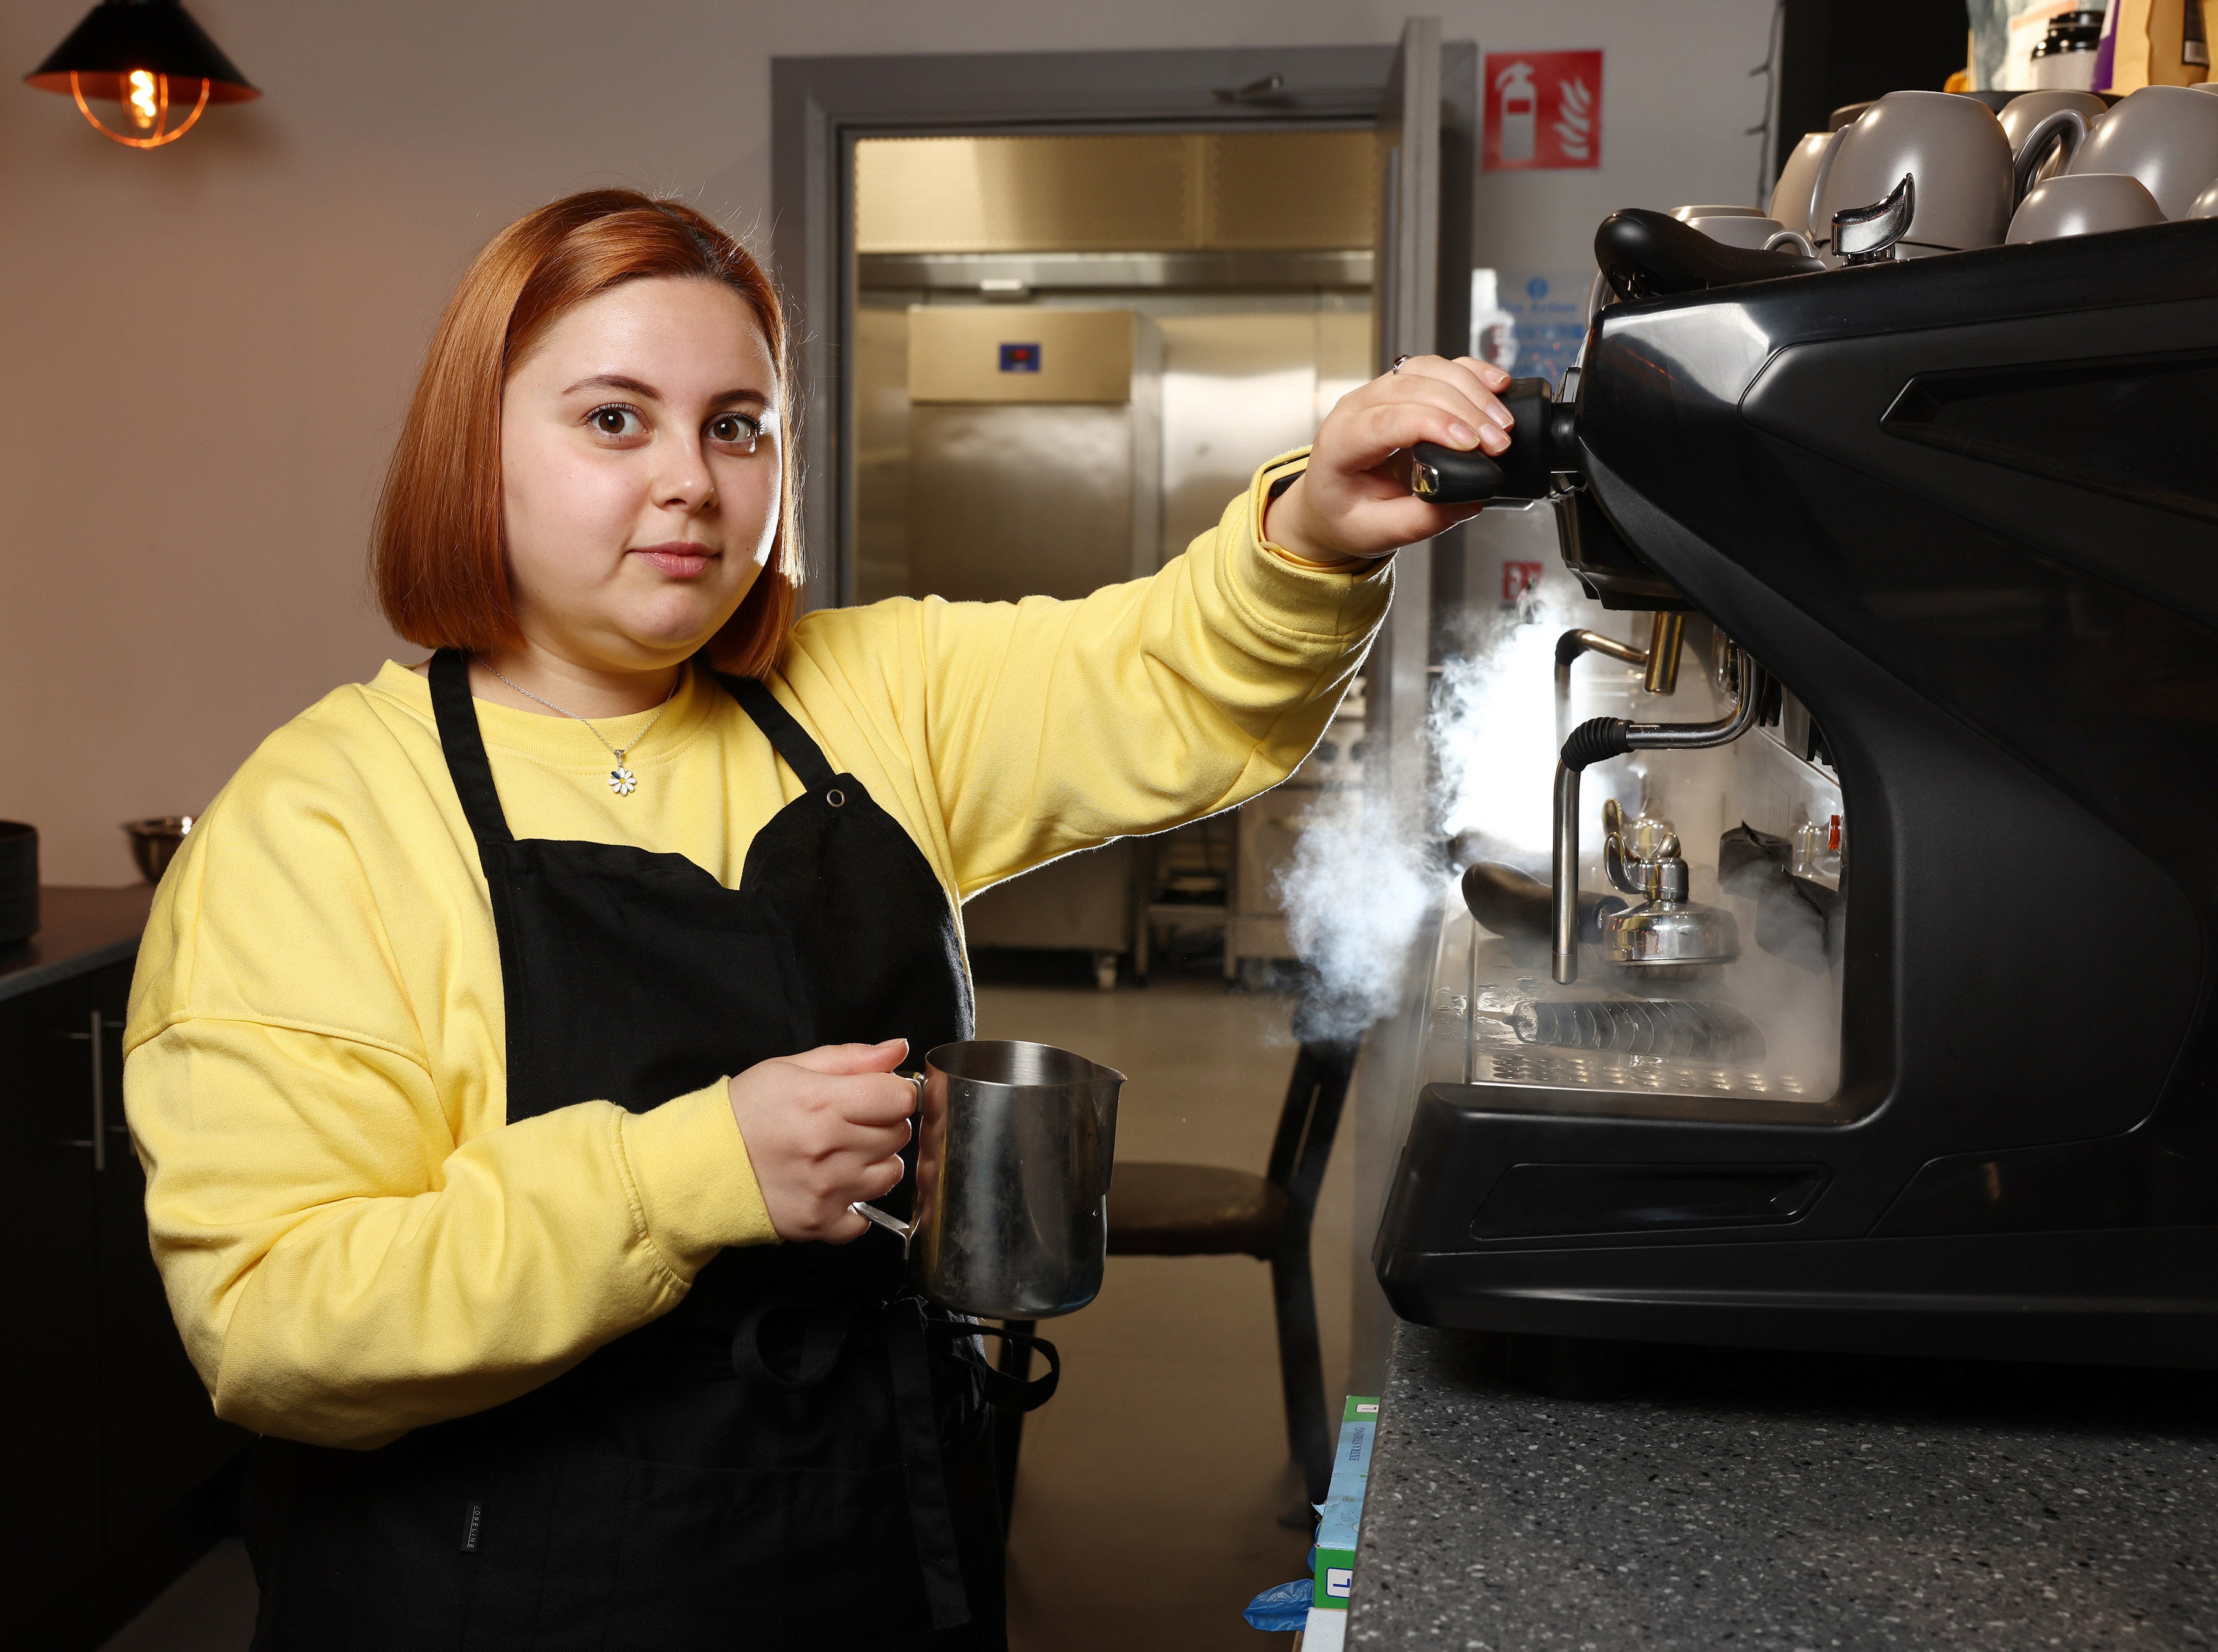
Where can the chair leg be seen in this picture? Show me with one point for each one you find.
(1015, 1361)
(1301, 1367)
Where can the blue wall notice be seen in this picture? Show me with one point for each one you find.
(1020, 358)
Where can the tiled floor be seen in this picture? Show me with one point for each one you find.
(1150, 1489)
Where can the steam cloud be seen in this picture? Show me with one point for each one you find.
(1356, 894)
(1493, 740)
(1364, 875)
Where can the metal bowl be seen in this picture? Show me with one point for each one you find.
(154, 842)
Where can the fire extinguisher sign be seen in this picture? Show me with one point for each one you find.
(1543, 111)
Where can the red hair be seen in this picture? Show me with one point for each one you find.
(439, 556)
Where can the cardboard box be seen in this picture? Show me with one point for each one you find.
(1340, 1518)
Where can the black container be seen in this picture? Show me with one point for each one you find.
(19, 882)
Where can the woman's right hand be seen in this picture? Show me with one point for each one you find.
(824, 1129)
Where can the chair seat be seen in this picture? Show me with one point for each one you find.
(1192, 1210)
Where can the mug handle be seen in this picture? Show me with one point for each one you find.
(1793, 237)
(2069, 124)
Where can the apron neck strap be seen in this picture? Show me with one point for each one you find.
(803, 756)
(464, 746)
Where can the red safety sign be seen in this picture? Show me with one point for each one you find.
(1518, 578)
(1543, 111)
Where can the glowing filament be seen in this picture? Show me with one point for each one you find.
(145, 108)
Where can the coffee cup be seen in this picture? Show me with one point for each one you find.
(2082, 203)
(1797, 179)
(2166, 136)
(2204, 205)
(1968, 175)
(1746, 229)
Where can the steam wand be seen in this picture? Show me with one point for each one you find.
(1659, 661)
(1602, 737)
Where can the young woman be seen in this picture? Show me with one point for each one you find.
(516, 1029)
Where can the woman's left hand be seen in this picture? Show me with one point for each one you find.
(1353, 501)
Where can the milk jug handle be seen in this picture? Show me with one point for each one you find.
(904, 1231)
(891, 1224)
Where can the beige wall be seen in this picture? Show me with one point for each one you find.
(207, 347)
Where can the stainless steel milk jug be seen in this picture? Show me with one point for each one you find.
(1014, 1147)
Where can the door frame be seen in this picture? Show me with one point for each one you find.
(821, 106)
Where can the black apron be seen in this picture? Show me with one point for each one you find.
(798, 1454)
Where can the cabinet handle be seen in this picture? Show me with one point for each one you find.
(95, 1025)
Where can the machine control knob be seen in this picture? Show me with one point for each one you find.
(1525, 471)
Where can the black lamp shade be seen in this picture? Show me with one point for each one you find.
(120, 35)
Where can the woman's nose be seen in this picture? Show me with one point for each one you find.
(685, 484)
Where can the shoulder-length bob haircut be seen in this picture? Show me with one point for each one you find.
(439, 556)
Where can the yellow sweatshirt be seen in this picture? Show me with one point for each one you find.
(353, 1240)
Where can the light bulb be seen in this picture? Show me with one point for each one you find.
(144, 95)
(143, 100)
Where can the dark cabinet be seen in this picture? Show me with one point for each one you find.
(117, 1455)
(50, 1196)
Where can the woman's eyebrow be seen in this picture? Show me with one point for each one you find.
(638, 387)
(614, 381)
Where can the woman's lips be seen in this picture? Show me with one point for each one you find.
(681, 559)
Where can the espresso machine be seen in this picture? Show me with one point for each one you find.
(1926, 1061)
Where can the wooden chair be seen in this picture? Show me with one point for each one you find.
(1204, 1210)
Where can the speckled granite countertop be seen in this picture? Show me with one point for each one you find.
(1760, 1501)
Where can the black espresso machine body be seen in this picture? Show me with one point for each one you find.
(1966, 509)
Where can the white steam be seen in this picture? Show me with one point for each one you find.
(1355, 894)
(1493, 739)
(1365, 874)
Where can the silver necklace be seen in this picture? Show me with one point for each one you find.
(622, 780)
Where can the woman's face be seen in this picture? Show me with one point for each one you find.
(639, 473)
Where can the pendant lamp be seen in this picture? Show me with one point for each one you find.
(149, 56)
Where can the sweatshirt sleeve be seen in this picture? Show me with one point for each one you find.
(352, 1248)
(1049, 726)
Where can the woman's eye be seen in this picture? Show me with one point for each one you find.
(616, 421)
(734, 430)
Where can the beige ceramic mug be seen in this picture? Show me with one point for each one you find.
(2083, 204)
(1968, 175)
(1797, 182)
(2166, 136)
(1746, 229)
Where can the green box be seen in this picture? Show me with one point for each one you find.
(1341, 1515)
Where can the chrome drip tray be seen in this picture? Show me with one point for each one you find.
(1484, 1049)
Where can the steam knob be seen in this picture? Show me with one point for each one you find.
(1525, 471)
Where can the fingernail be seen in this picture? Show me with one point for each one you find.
(1462, 435)
(1495, 441)
(1502, 416)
